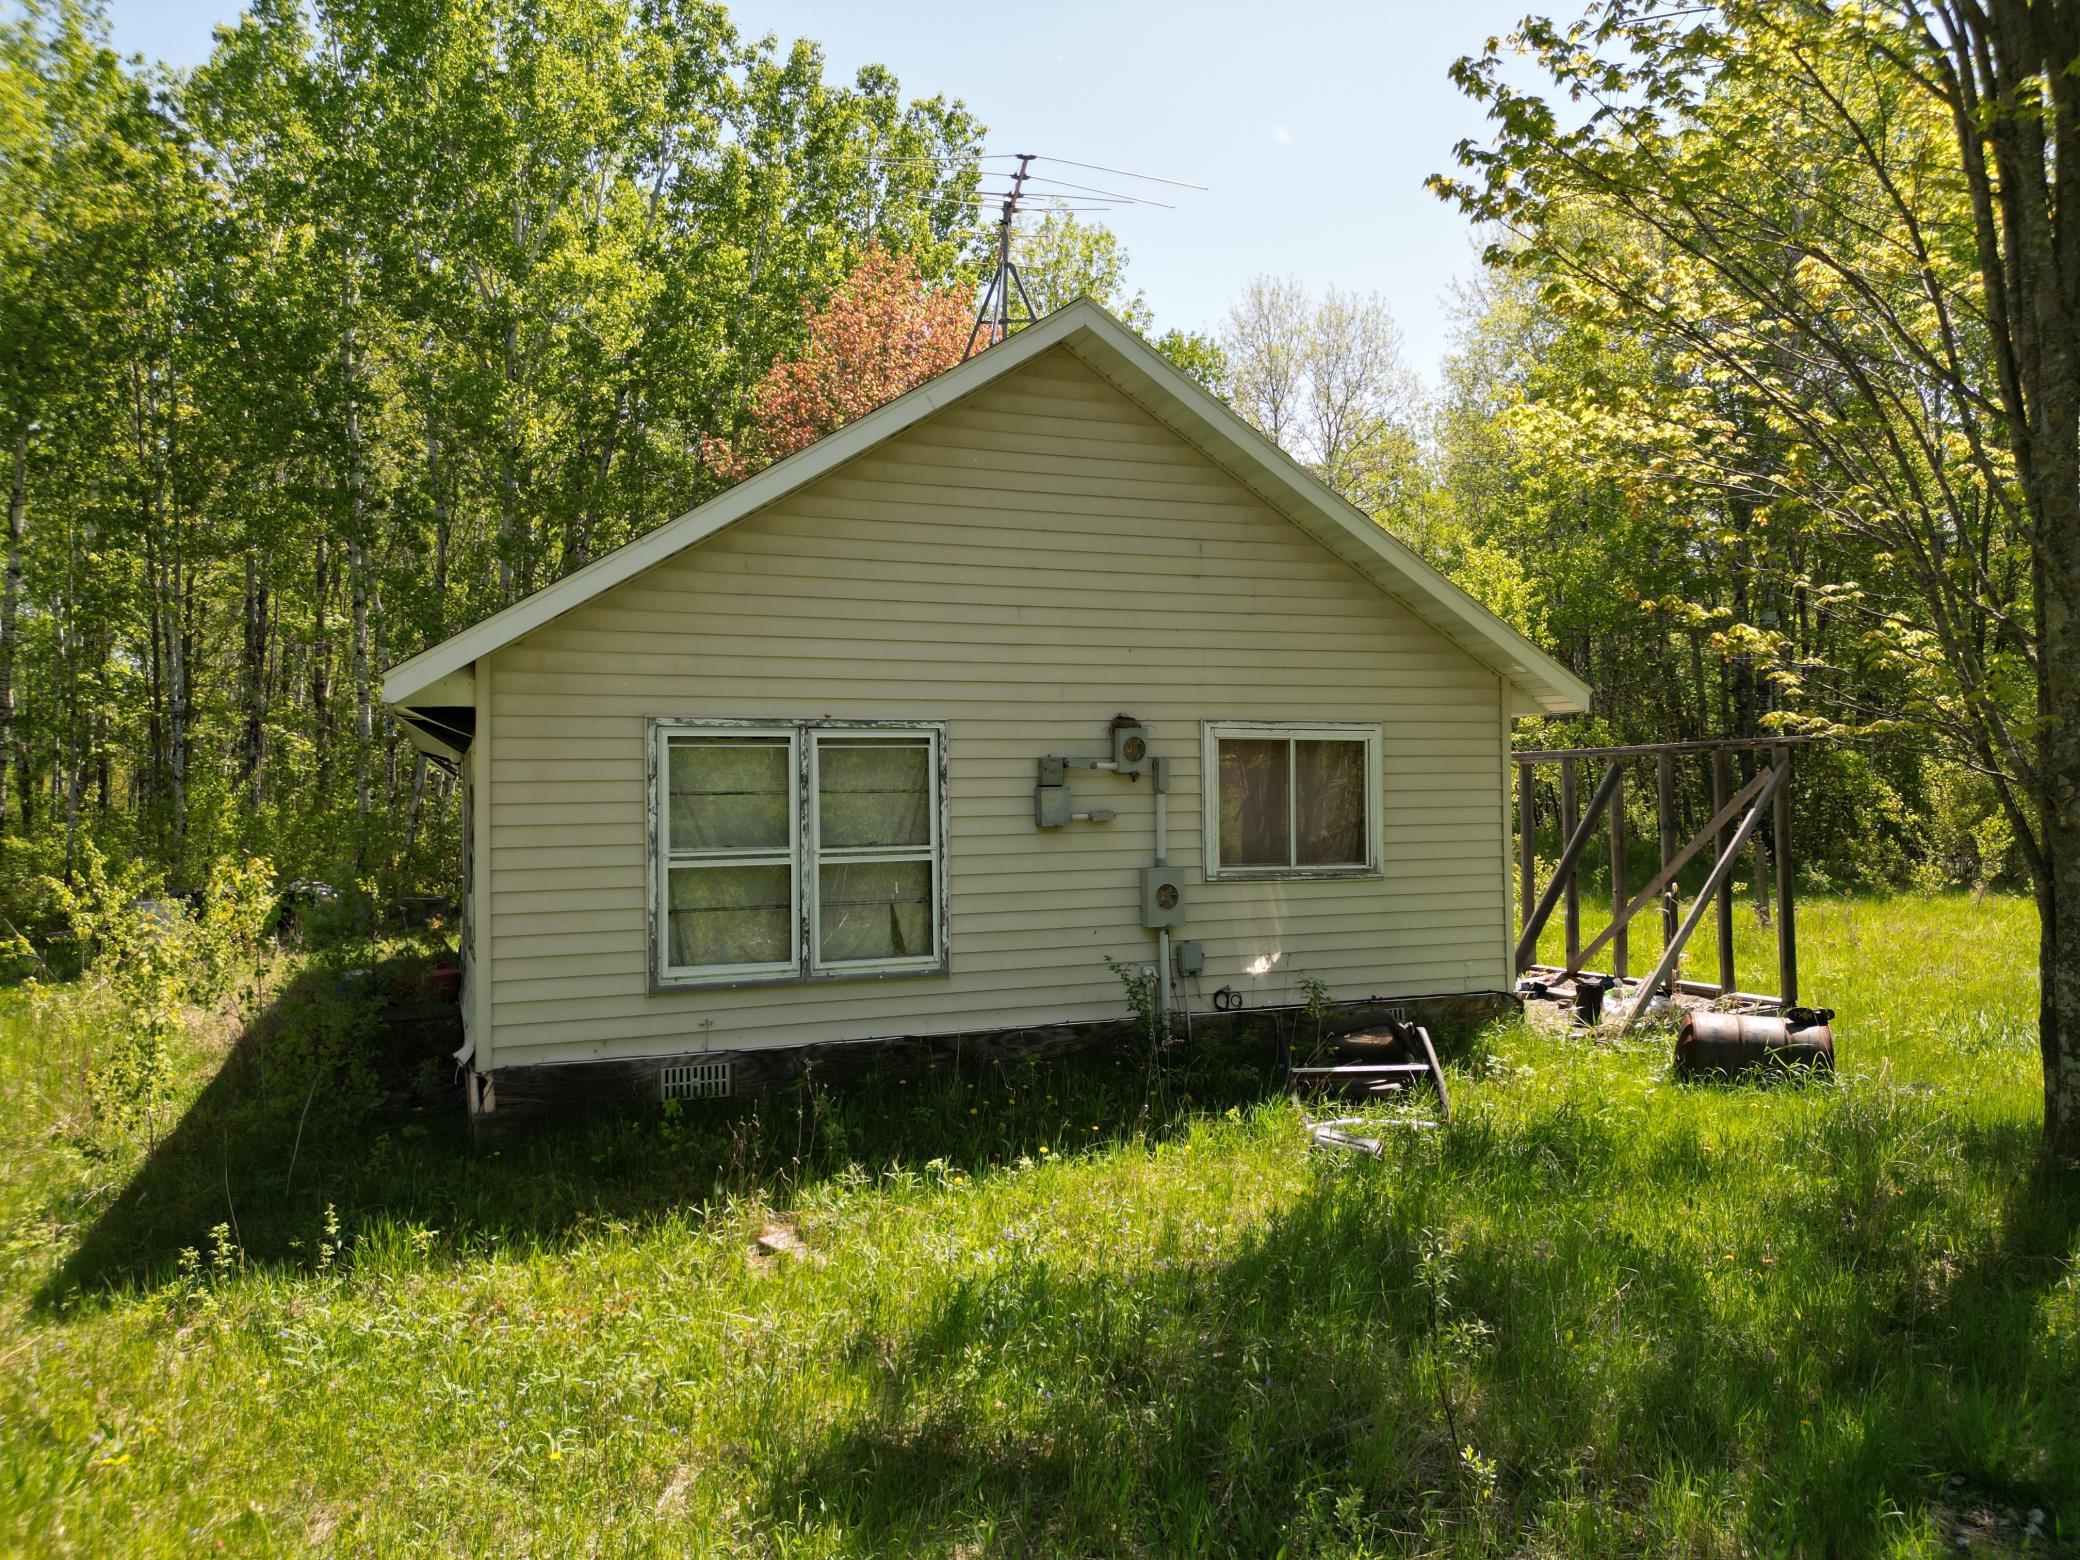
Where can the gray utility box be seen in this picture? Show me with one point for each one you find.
(1051, 806)
(1162, 896)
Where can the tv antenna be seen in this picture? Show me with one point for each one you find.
(995, 308)
(1005, 296)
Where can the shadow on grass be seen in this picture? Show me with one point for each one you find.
(323, 1103)
(339, 1062)
(1180, 1407)
(1631, 1395)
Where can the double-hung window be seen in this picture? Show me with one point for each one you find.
(1291, 801)
(797, 850)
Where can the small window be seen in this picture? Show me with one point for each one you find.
(797, 850)
(1291, 801)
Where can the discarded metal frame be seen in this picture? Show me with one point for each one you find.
(1741, 814)
(1378, 1062)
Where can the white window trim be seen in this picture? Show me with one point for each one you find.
(813, 860)
(664, 858)
(1213, 731)
(803, 853)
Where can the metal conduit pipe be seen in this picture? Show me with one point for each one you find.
(1158, 779)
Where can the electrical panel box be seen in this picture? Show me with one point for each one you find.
(1129, 748)
(1051, 806)
(1054, 770)
(1162, 896)
(1190, 957)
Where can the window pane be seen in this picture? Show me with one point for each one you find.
(874, 793)
(729, 793)
(875, 910)
(730, 915)
(1253, 803)
(1331, 813)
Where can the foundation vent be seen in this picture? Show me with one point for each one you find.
(697, 1081)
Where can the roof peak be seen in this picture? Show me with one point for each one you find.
(1143, 375)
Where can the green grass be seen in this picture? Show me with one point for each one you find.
(1073, 1309)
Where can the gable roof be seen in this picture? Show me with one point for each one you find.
(1145, 377)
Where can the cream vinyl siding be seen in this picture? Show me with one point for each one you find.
(1023, 565)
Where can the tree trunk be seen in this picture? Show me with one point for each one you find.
(321, 661)
(253, 674)
(2058, 895)
(1740, 669)
(512, 551)
(25, 785)
(411, 824)
(10, 604)
(443, 523)
(178, 701)
(364, 705)
(2012, 95)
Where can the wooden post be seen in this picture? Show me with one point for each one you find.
(1527, 854)
(1722, 781)
(1570, 853)
(1743, 800)
(1664, 971)
(1787, 920)
(1568, 819)
(1665, 800)
(1619, 949)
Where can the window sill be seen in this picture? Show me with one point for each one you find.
(664, 985)
(1289, 874)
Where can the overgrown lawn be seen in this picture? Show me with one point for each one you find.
(1078, 1308)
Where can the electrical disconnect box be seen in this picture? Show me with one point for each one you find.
(1191, 958)
(1052, 807)
(1162, 897)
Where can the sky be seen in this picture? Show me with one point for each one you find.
(1312, 122)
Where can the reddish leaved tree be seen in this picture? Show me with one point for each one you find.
(884, 331)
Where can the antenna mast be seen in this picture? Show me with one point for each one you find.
(998, 313)
(995, 310)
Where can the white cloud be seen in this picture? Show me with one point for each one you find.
(1282, 134)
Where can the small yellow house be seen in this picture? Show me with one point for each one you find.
(1053, 661)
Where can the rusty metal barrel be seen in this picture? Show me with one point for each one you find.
(1729, 1044)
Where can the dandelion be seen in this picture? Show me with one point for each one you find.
(556, 1454)
(1043, 1148)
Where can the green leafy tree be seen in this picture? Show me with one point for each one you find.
(1845, 227)
(1062, 258)
(1326, 379)
(382, 316)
